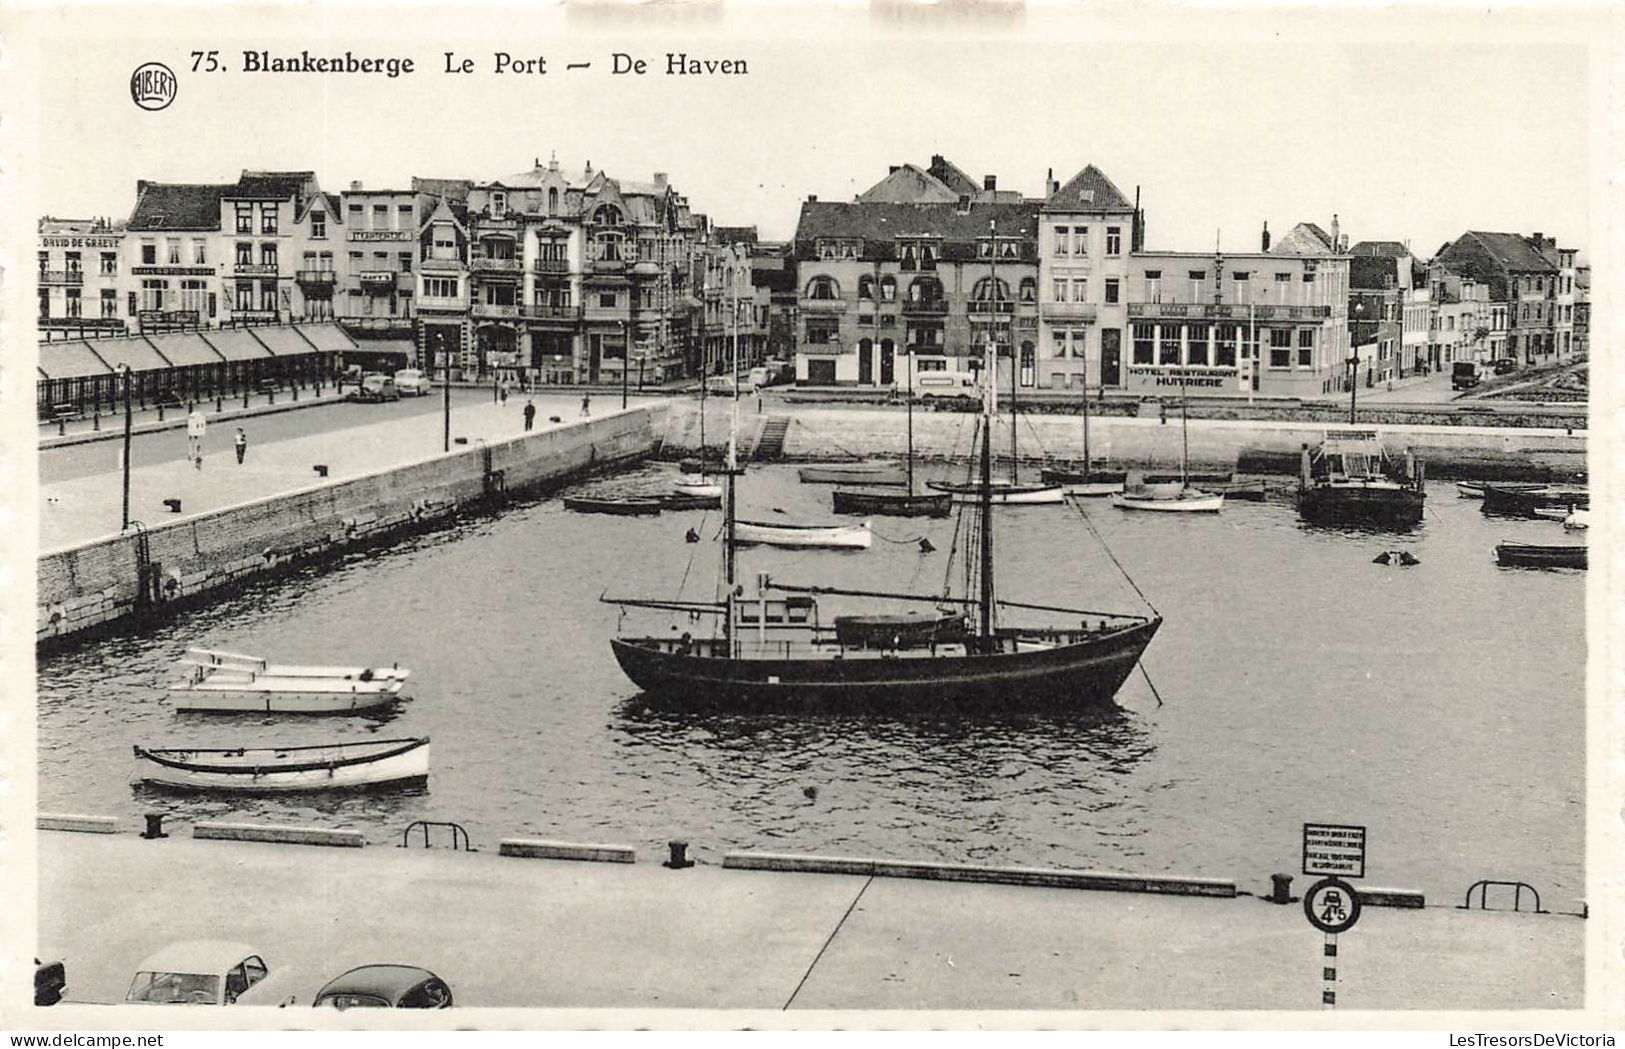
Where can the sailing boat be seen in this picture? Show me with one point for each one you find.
(906, 503)
(1011, 492)
(1087, 481)
(697, 487)
(954, 661)
(1175, 496)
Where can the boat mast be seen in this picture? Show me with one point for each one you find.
(993, 330)
(732, 464)
(908, 352)
(985, 497)
(1087, 469)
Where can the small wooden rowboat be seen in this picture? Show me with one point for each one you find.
(1003, 493)
(698, 487)
(899, 630)
(891, 502)
(1475, 489)
(691, 502)
(228, 681)
(1520, 501)
(1169, 499)
(1535, 555)
(330, 766)
(1085, 482)
(618, 507)
(775, 533)
(1248, 491)
(855, 473)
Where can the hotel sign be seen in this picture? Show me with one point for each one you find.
(79, 242)
(1201, 377)
(378, 277)
(381, 234)
(172, 271)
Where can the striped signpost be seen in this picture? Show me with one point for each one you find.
(1331, 904)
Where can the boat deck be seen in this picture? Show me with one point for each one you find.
(749, 644)
(244, 681)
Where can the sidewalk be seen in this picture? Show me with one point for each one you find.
(84, 508)
(152, 420)
(559, 934)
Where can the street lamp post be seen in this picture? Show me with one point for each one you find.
(1354, 363)
(626, 357)
(124, 372)
(445, 370)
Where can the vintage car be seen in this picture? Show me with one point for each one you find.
(410, 382)
(208, 972)
(376, 388)
(385, 987)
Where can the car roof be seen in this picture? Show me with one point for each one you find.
(197, 956)
(383, 980)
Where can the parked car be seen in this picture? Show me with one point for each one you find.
(1463, 375)
(1506, 365)
(720, 384)
(409, 382)
(928, 385)
(208, 972)
(385, 987)
(375, 388)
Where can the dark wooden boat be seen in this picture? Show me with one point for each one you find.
(855, 473)
(1522, 501)
(894, 630)
(1475, 489)
(1067, 475)
(618, 507)
(705, 465)
(1351, 479)
(1207, 482)
(891, 502)
(1247, 491)
(683, 501)
(1536, 555)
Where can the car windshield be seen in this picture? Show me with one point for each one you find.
(352, 1001)
(174, 988)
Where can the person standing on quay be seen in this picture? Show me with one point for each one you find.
(196, 424)
(530, 414)
(241, 442)
(586, 405)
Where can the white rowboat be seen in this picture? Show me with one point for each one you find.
(276, 769)
(835, 536)
(1184, 500)
(698, 486)
(1004, 493)
(228, 681)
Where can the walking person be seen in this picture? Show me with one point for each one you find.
(502, 392)
(586, 405)
(530, 415)
(241, 441)
(196, 425)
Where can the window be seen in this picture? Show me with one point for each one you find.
(1080, 342)
(200, 252)
(44, 261)
(1058, 290)
(75, 308)
(825, 289)
(553, 201)
(820, 333)
(1283, 287)
(245, 218)
(1080, 289)
(405, 258)
(606, 299)
(989, 288)
(357, 214)
(909, 260)
(149, 253)
(888, 289)
(1114, 240)
(1280, 347)
(44, 303)
(1196, 344)
(1153, 285)
(1058, 347)
(245, 253)
(194, 295)
(268, 213)
(499, 204)
(1080, 241)
(1029, 289)
(268, 295)
(152, 294)
(1060, 239)
(1168, 343)
(441, 287)
(1111, 289)
(172, 251)
(1306, 347)
(866, 288)
(1144, 343)
(1224, 345)
(1198, 279)
(268, 255)
(380, 216)
(318, 225)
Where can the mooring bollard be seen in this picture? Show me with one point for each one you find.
(245, 397)
(459, 440)
(219, 404)
(679, 856)
(1280, 888)
(160, 413)
(61, 427)
(174, 505)
(321, 469)
(296, 395)
(95, 420)
(270, 396)
(155, 826)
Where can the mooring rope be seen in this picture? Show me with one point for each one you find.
(1147, 675)
(1103, 545)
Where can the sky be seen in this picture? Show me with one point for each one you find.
(1407, 128)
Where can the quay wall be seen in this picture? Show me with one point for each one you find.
(193, 559)
(1251, 446)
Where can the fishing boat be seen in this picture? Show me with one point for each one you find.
(1086, 481)
(229, 681)
(1475, 489)
(1171, 497)
(691, 502)
(1537, 555)
(1351, 479)
(1003, 493)
(616, 507)
(1522, 501)
(872, 473)
(837, 536)
(1013, 655)
(889, 502)
(332, 766)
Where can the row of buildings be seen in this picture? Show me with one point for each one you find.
(929, 264)
(559, 277)
(546, 276)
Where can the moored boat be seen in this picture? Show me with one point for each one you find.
(1538, 555)
(871, 473)
(1202, 479)
(1475, 489)
(895, 630)
(1085, 482)
(1003, 493)
(691, 502)
(698, 487)
(1247, 491)
(891, 502)
(839, 536)
(331, 766)
(226, 681)
(617, 507)
(1169, 498)
(1351, 479)
(1520, 501)
(1579, 520)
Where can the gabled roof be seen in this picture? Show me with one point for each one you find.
(908, 184)
(1512, 251)
(450, 188)
(1088, 190)
(735, 234)
(1389, 248)
(956, 181)
(274, 185)
(879, 225)
(1370, 272)
(177, 206)
(329, 202)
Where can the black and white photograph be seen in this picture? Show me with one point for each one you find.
(876, 515)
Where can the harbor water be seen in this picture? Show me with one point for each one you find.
(1441, 705)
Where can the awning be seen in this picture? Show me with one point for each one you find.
(70, 360)
(132, 352)
(184, 350)
(284, 342)
(397, 347)
(326, 337)
(235, 344)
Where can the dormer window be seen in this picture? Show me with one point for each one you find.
(499, 205)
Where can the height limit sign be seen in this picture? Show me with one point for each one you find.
(1334, 850)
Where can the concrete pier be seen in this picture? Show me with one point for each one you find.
(568, 934)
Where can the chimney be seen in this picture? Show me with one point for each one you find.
(355, 185)
(589, 168)
(990, 183)
(964, 204)
(660, 180)
(936, 160)
(892, 169)
(1335, 237)
(1264, 240)
(140, 186)
(553, 161)
(812, 198)
(1540, 243)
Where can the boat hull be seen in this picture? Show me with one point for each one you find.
(282, 695)
(270, 771)
(891, 503)
(698, 489)
(1203, 479)
(1080, 675)
(1374, 505)
(1085, 483)
(1519, 501)
(1531, 555)
(835, 536)
(691, 502)
(888, 474)
(1004, 494)
(1246, 491)
(615, 507)
(1191, 502)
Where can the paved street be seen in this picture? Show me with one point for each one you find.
(539, 933)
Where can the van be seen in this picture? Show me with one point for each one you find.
(410, 382)
(944, 384)
(1464, 375)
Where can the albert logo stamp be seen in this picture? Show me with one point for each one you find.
(152, 86)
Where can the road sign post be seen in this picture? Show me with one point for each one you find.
(1335, 851)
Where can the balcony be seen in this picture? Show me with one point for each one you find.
(934, 308)
(61, 276)
(559, 314)
(989, 306)
(1073, 311)
(318, 277)
(551, 266)
(441, 265)
(823, 305)
(394, 325)
(254, 269)
(456, 303)
(491, 265)
(1209, 311)
(255, 316)
(609, 265)
(493, 311)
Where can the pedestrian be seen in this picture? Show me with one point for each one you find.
(530, 414)
(241, 440)
(586, 405)
(502, 392)
(196, 424)
(1164, 407)
(758, 400)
